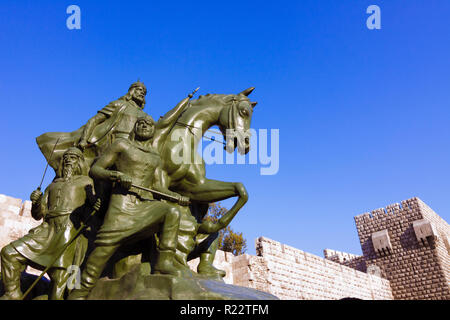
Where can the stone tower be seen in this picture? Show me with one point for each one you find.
(408, 244)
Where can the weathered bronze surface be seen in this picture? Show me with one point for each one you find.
(65, 201)
(151, 218)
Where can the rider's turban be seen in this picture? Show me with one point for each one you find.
(75, 151)
(138, 84)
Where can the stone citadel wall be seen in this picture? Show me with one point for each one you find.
(292, 274)
(297, 275)
(15, 221)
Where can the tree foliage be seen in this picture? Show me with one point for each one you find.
(229, 240)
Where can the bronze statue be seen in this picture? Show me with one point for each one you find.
(228, 112)
(138, 162)
(63, 205)
(133, 213)
(198, 238)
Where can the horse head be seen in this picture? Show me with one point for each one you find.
(235, 119)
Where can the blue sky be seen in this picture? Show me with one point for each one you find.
(363, 114)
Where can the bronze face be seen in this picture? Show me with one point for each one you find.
(138, 94)
(144, 129)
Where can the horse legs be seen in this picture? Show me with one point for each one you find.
(208, 190)
(212, 191)
(206, 245)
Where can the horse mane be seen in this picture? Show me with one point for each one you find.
(221, 98)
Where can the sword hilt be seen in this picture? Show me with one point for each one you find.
(157, 192)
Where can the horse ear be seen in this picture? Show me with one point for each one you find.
(254, 104)
(247, 92)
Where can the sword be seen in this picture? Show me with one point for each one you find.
(156, 192)
(45, 171)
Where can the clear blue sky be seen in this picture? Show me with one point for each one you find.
(363, 114)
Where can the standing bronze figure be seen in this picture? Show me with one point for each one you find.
(63, 205)
(133, 214)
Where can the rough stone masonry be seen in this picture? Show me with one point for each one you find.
(406, 255)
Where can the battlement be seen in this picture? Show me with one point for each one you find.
(290, 273)
(339, 256)
(390, 210)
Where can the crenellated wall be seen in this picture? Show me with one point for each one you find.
(346, 259)
(416, 269)
(293, 274)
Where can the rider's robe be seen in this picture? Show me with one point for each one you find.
(43, 243)
(121, 116)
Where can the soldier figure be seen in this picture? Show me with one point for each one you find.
(121, 115)
(115, 120)
(133, 214)
(64, 203)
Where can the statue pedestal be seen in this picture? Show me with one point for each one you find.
(139, 285)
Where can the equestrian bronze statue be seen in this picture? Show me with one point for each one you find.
(153, 189)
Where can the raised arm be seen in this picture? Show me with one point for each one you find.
(165, 123)
(170, 117)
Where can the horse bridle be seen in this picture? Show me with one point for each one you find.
(230, 124)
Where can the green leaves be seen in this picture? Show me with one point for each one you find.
(229, 240)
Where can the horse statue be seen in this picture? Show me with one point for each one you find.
(232, 114)
(177, 141)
